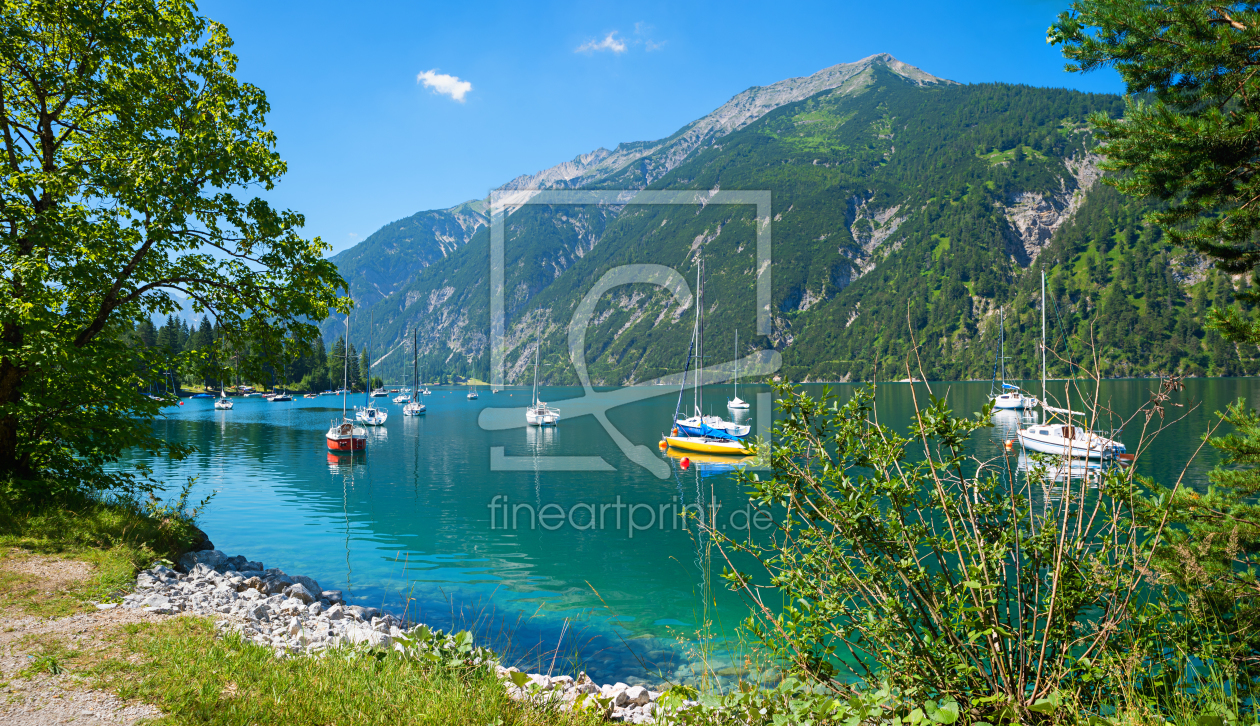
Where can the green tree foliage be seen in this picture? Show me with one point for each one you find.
(125, 138)
(1192, 140)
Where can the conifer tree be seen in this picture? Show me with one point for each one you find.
(1191, 137)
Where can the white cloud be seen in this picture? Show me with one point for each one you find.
(444, 84)
(610, 42)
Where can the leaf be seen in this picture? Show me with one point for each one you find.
(518, 678)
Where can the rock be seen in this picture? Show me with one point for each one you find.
(258, 612)
(637, 695)
(332, 596)
(307, 582)
(253, 583)
(298, 591)
(212, 558)
(106, 605)
(336, 612)
(292, 606)
(275, 584)
(362, 613)
(362, 634)
(314, 609)
(295, 627)
(203, 541)
(155, 601)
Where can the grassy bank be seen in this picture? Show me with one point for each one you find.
(56, 557)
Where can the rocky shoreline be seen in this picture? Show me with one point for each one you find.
(293, 615)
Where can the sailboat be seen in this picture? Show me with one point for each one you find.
(415, 406)
(344, 435)
(699, 424)
(1065, 439)
(1008, 396)
(737, 402)
(472, 395)
(539, 413)
(223, 403)
(695, 434)
(370, 415)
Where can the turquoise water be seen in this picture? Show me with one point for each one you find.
(408, 525)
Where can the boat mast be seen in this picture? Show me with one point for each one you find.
(345, 374)
(1002, 347)
(367, 384)
(415, 354)
(1043, 338)
(537, 348)
(699, 334)
(691, 347)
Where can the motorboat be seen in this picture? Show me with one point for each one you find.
(310, 395)
(281, 397)
(379, 393)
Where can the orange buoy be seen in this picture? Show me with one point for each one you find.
(663, 443)
(686, 463)
(1010, 443)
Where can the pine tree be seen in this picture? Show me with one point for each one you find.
(1189, 137)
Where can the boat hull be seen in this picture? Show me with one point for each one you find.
(706, 445)
(346, 444)
(1091, 448)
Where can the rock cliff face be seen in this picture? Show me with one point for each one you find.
(1035, 217)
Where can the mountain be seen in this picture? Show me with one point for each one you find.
(375, 267)
(908, 211)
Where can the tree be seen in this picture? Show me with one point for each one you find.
(126, 139)
(1190, 134)
(1194, 142)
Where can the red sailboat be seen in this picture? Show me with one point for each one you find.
(345, 435)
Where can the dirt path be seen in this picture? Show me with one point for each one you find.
(39, 656)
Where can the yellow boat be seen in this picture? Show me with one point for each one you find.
(708, 445)
(726, 461)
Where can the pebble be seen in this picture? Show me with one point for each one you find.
(295, 616)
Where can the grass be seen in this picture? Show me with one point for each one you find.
(116, 539)
(182, 667)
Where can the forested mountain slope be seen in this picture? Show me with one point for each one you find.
(902, 211)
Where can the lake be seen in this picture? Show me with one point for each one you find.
(428, 523)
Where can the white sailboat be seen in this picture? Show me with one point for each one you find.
(1064, 438)
(414, 407)
(1008, 396)
(223, 403)
(539, 413)
(472, 395)
(370, 415)
(737, 403)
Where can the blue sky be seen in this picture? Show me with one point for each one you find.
(368, 142)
